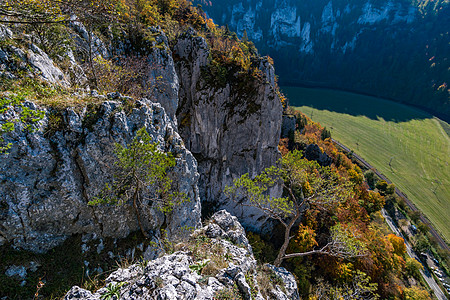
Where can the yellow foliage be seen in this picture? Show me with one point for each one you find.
(354, 176)
(307, 190)
(344, 271)
(398, 243)
(150, 13)
(210, 24)
(305, 239)
(415, 293)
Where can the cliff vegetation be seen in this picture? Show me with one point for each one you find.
(91, 95)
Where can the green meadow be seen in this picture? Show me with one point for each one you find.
(409, 146)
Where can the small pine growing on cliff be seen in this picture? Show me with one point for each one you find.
(141, 177)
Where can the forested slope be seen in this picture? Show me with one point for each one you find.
(392, 49)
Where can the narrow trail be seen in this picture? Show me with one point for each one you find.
(408, 202)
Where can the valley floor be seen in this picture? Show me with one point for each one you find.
(410, 147)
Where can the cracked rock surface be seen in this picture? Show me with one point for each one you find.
(231, 129)
(50, 175)
(174, 276)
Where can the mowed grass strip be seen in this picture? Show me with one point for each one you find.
(415, 144)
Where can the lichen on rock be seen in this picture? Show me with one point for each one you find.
(48, 180)
(178, 276)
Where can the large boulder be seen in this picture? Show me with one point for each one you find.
(288, 126)
(314, 152)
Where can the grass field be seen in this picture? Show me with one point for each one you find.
(381, 131)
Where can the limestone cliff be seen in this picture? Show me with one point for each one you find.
(302, 25)
(50, 174)
(390, 48)
(231, 129)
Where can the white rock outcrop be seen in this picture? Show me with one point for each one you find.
(50, 175)
(230, 130)
(176, 276)
(45, 67)
(281, 24)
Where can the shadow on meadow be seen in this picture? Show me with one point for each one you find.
(352, 104)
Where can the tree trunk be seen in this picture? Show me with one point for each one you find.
(288, 227)
(135, 200)
(287, 232)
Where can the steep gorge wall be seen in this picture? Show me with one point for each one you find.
(50, 174)
(231, 129)
(389, 48)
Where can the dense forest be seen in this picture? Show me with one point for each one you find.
(391, 49)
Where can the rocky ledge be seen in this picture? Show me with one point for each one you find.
(51, 173)
(216, 263)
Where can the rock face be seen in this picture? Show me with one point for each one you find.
(290, 284)
(229, 131)
(177, 276)
(313, 152)
(162, 74)
(288, 125)
(40, 61)
(304, 25)
(51, 174)
(83, 37)
(13, 59)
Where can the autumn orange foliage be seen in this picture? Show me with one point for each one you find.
(385, 255)
(398, 243)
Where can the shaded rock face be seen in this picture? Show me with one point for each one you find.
(83, 37)
(313, 152)
(163, 75)
(173, 276)
(288, 126)
(230, 132)
(51, 174)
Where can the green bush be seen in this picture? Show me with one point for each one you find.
(28, 117)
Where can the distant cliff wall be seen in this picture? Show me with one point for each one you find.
(396, 49)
